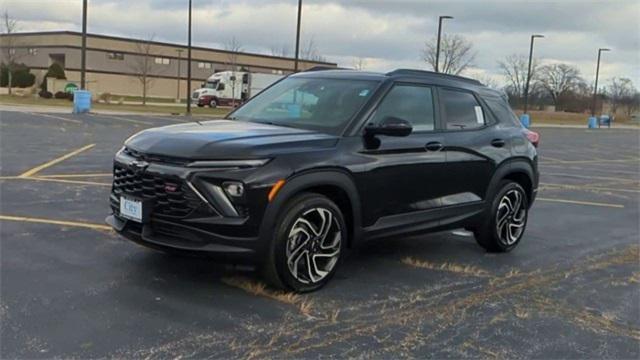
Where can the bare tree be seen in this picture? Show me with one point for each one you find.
(310, 51)
(560, 80)
(514, 68)
(233, 48)
(282, 51)
(142, 64)
(619, 89)
(359, 63)
(456, 54)
(9, 44)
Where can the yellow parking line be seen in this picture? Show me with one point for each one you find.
(78, 182)
(57, 222)
(38, 178)
(122, 119)
(57, 118)
(56, 176)
(589, 203)
(39, 168)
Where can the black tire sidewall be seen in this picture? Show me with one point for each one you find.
(493, 233)
(290, 213)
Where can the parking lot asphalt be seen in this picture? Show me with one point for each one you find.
(71, 288)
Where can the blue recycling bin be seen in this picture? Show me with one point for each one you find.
(592, 123)
(525, 120)
(81, 101)
(605, 120)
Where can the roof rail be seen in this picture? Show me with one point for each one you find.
(323, 68)
(432, 73)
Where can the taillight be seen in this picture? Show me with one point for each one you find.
(532, 136)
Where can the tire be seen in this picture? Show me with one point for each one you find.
(213, 104)
(200, 105)
(299, 233)
(505, 205)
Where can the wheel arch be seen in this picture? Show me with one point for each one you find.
(335, 184)
(520, 171)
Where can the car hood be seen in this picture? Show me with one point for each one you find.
(226, 139)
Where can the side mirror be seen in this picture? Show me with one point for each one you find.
(390, 126)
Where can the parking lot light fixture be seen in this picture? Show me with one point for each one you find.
(595, 86)
(189, 65)
(439, 35)
(526, 86)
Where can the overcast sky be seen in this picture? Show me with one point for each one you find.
(388, 33)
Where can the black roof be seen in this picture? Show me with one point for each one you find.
(407, 74)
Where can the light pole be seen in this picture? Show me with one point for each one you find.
(595, 87)
(295, 67)
(83, 52)
(189, 66)
(438, 44)
(179, 51)
(526, 85)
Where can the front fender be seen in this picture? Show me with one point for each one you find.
(301, 182)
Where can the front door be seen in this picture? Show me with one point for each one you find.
(403, 181)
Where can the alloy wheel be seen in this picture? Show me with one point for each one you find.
(313, 245)
(511, 217)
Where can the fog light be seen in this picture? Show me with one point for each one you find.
(234, 189)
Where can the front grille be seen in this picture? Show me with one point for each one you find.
(155, 158)
(170, 195)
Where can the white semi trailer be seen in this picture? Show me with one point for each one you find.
(228, 88)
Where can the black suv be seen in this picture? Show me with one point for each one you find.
(323, 160)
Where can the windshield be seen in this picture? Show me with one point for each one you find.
(309, 103)
(212, 84)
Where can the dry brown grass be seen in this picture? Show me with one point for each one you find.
(450, 267)
(566, 118)
(304, 306)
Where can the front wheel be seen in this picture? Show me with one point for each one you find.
(213, 104)
(506, 219)
(308, 244)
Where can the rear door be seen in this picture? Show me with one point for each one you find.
(403, 178)
(474, 146)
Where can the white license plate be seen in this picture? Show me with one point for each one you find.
(131, 209)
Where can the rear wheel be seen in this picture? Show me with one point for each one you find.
(506, 219)
(308, 244)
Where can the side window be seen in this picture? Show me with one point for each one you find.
(461, 110)
(502, 110)
(408, 102)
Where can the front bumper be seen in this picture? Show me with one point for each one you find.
(182, 212)
(170, 236)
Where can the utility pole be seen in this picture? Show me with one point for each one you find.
(83, 56)
(438, 44)
(179, 51)
(526, 85)
(595, 87)
(298, 36)
(189, 66)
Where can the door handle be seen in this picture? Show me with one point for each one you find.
(434, 146)
(498, 143)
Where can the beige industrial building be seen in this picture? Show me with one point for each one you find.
(114, 62)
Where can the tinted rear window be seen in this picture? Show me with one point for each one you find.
(501, 109)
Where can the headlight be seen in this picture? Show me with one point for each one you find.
(228, 163)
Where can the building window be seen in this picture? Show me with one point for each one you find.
(12, 51)
(32, 51)
(204, 65)
(115, 56)
(162, 61)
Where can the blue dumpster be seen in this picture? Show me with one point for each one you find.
(605, 120)
(81, 101)
(593, 122)
(525, 120)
